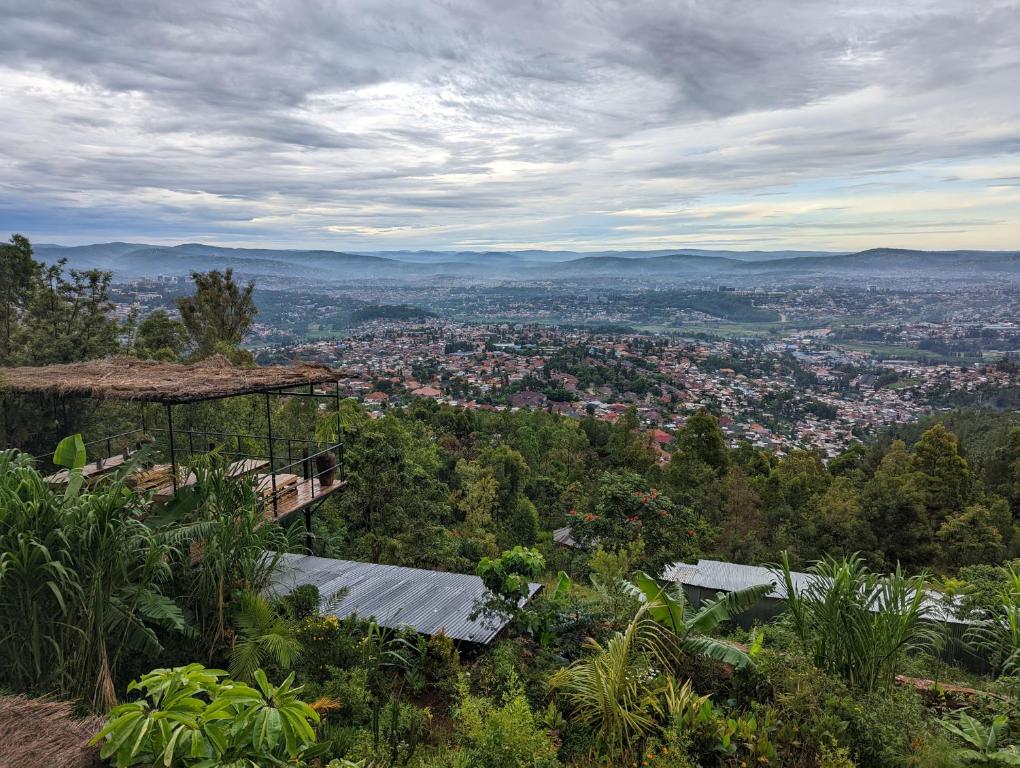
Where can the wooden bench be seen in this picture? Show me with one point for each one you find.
(236, 470)
(284, 483)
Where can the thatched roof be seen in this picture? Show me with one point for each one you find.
(45, 732)
(128, 378)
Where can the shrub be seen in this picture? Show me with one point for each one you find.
(327, 641)
(349, 687)
(506, 736)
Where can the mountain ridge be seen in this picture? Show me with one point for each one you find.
(127, 260)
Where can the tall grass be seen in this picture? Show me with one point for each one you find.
(234, 549)
(81, 580)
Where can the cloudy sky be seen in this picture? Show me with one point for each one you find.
(815, 124)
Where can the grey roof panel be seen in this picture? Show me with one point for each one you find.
(729, 577)
(426, 601)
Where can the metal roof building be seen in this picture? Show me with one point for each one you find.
(565, 537)
(708, 577)
(428, 602)
(729, 577)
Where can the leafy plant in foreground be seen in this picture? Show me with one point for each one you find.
(983, 742)
(193, 716)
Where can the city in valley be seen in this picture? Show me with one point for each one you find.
(782, 366)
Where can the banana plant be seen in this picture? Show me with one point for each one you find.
(70, 454)
(983, 741)
(671, 609)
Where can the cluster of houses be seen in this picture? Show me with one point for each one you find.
(497, 366)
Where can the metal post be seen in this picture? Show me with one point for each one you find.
(173, 456)
(272, 463)
(308, 529)
(338, 425)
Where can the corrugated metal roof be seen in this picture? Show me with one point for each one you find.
(729, 577)
(565, 537)
(426, 601)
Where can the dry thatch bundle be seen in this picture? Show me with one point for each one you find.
(45, 732)
(128, 378)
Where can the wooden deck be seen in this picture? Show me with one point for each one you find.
(293, 494)
(304, 494)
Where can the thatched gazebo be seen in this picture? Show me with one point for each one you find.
(154, 381)
(288, 486)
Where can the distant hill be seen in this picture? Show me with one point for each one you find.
(128, 260)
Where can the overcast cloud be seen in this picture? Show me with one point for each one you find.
(581, 125)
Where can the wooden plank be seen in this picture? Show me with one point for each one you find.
(285, 483)
(91, 472)
(307, 492)
(165, 492)
(246, 467)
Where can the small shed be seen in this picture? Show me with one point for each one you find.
(707, 578)
(710, 577)
(429, 602)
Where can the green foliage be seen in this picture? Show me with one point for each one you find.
(611, 567)
(984, 742)
(701, 439)
(629, 508)
(394, 505)
(219, 314)
(18, 273)
(504, 736)
(857, 624)
(622, 689)
(262, 635)
(239, 550)
(507, 576)
(70, 453)
(160, 336)
(997, 635)
(193, 716)
(670, 609)
(613, 689)
(82, 583)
